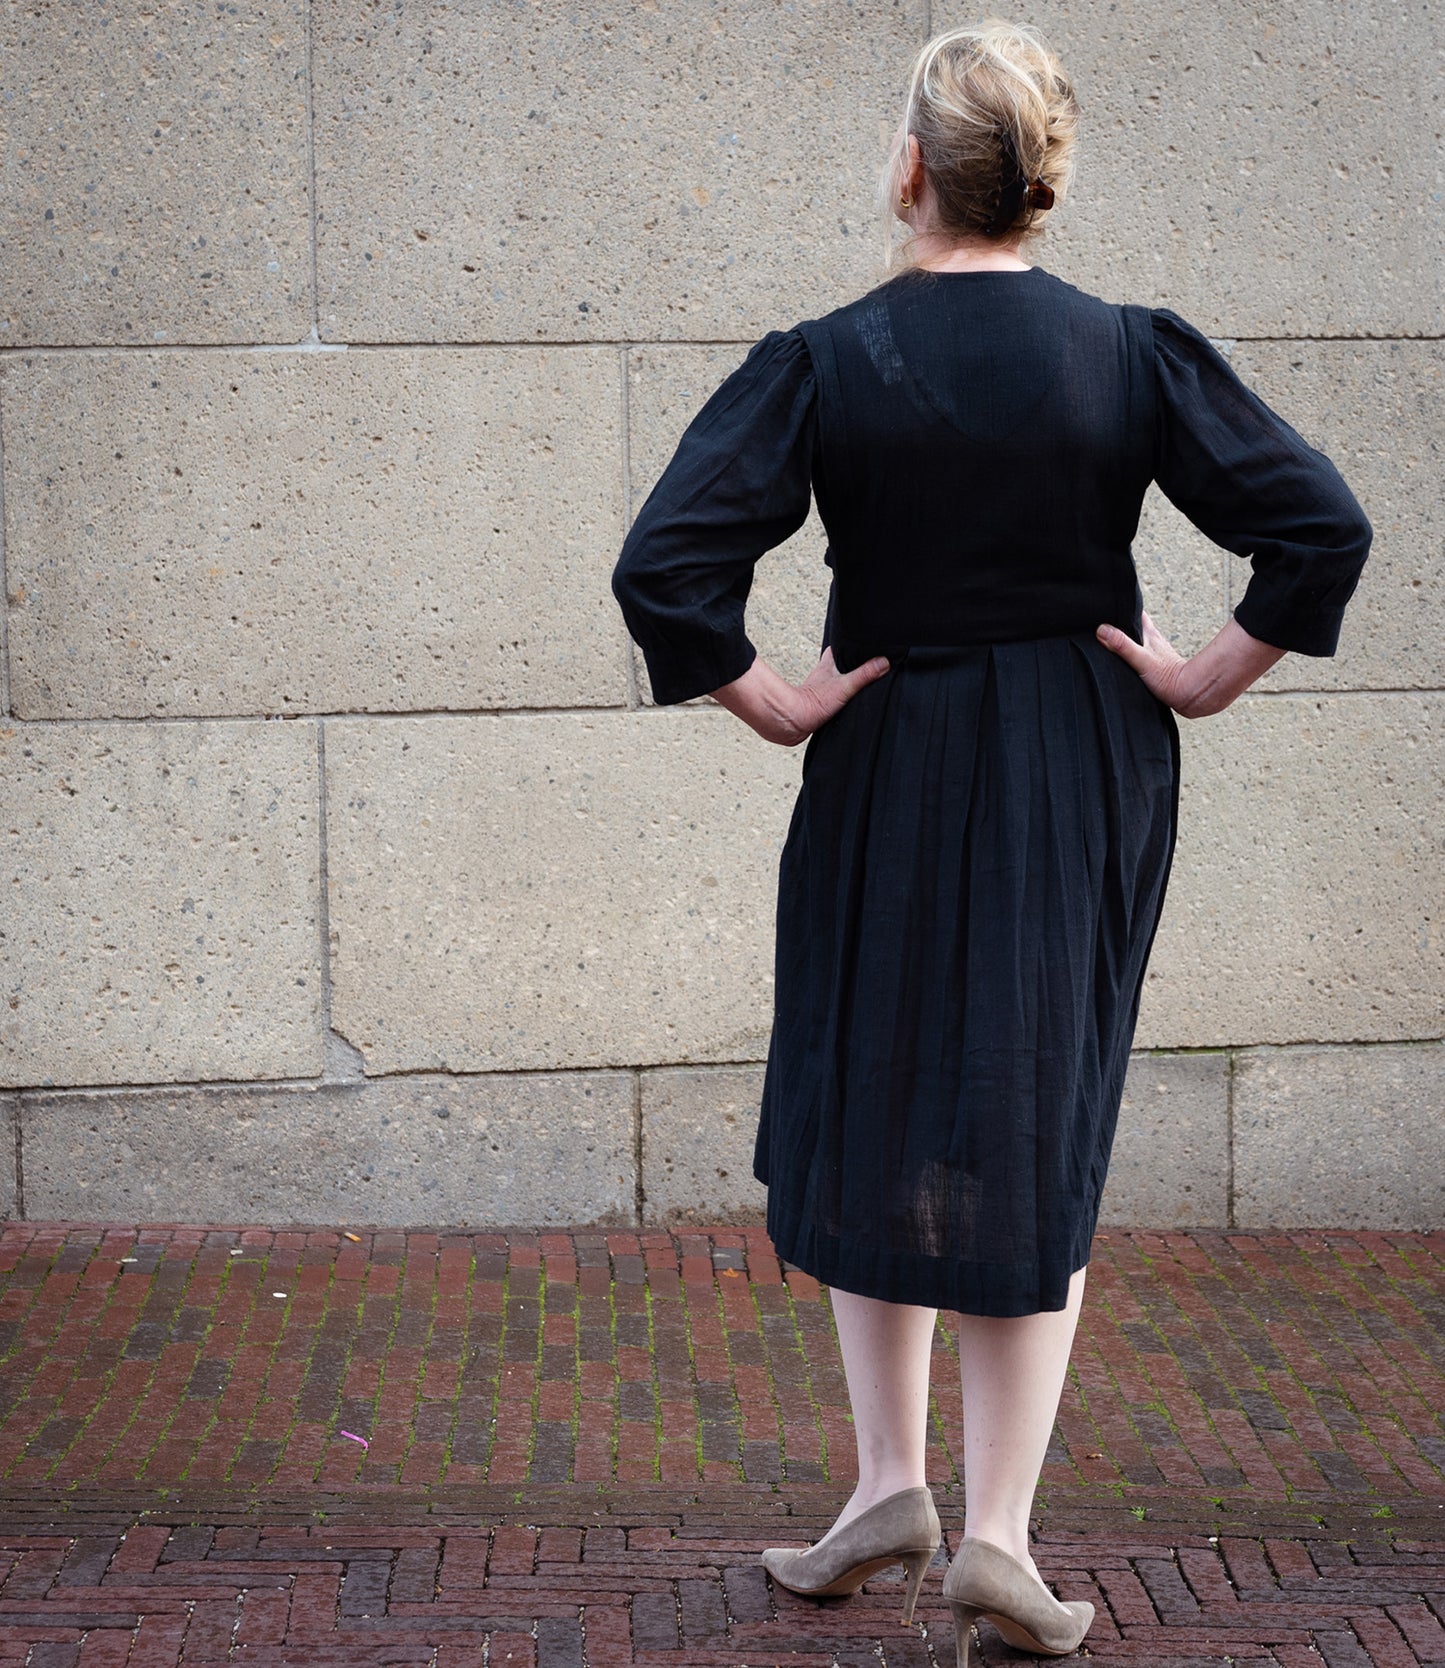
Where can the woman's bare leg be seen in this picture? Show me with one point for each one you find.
(1013, 1374)
(886, 1352)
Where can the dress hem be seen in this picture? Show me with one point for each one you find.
(883, 1274)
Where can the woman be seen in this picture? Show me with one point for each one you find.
(977, 858)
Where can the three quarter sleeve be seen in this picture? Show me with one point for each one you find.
(1245, 478)
(738, 484)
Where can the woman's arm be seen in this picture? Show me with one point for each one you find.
(1205, 683)
(738, 485)
(787, 715)
(1254, 485)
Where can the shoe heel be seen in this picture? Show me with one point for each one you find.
(916, 1563)
(964, 1616)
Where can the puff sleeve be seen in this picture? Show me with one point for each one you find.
(1244, 477)
(739, 483)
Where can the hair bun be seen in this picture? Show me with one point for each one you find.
(996, 120)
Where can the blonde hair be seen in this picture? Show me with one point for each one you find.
(988, 104)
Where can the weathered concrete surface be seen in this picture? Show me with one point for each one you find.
(9, 1199)
(698, 1130)
(1274, 210)
(1170, 1165)
(591, 891)
(203, 535)
(310, 532)
(1181, 575)
(1305, 898)
(452, 1151)
(553, 890)
(156, 178)
(1343, 1137)
(518, 173)
(667, 386)
(1262, 173)
(163, 894)
(1378, 410)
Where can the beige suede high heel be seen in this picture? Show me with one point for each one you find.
(983, 1580)
(901, 1529)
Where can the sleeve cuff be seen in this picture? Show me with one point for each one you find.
(1285, 629)
(672, 683)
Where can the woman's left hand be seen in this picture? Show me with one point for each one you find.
(786, 714)
(826, 690)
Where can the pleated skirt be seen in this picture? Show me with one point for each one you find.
(968, 894)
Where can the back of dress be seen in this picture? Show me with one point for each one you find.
(979, 444)
(977, 859)
(985, 440)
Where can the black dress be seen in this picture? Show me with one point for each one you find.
(976, 862)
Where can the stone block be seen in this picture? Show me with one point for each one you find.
(157, 184)
(554, 890)
(163, 887)
(1305, 898)
(9, 1197)
(698, 1130)
(526, 172)
(311, 532)
(1170, 1165)
(1378, 410)
(1263, 173)
(473, 1152)
(1340, 1137)
(667, 386)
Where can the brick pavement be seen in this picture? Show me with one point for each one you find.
(580, 1441)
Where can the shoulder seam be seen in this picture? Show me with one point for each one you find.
(1139, 332)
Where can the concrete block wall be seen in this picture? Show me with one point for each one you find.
(349, 870)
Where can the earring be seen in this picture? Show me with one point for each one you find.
(905, 202)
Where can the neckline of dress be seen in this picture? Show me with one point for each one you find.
(976, 272)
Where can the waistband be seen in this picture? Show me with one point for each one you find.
(849, 653)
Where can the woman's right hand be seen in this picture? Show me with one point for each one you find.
(1206, 683)
(780, 712)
